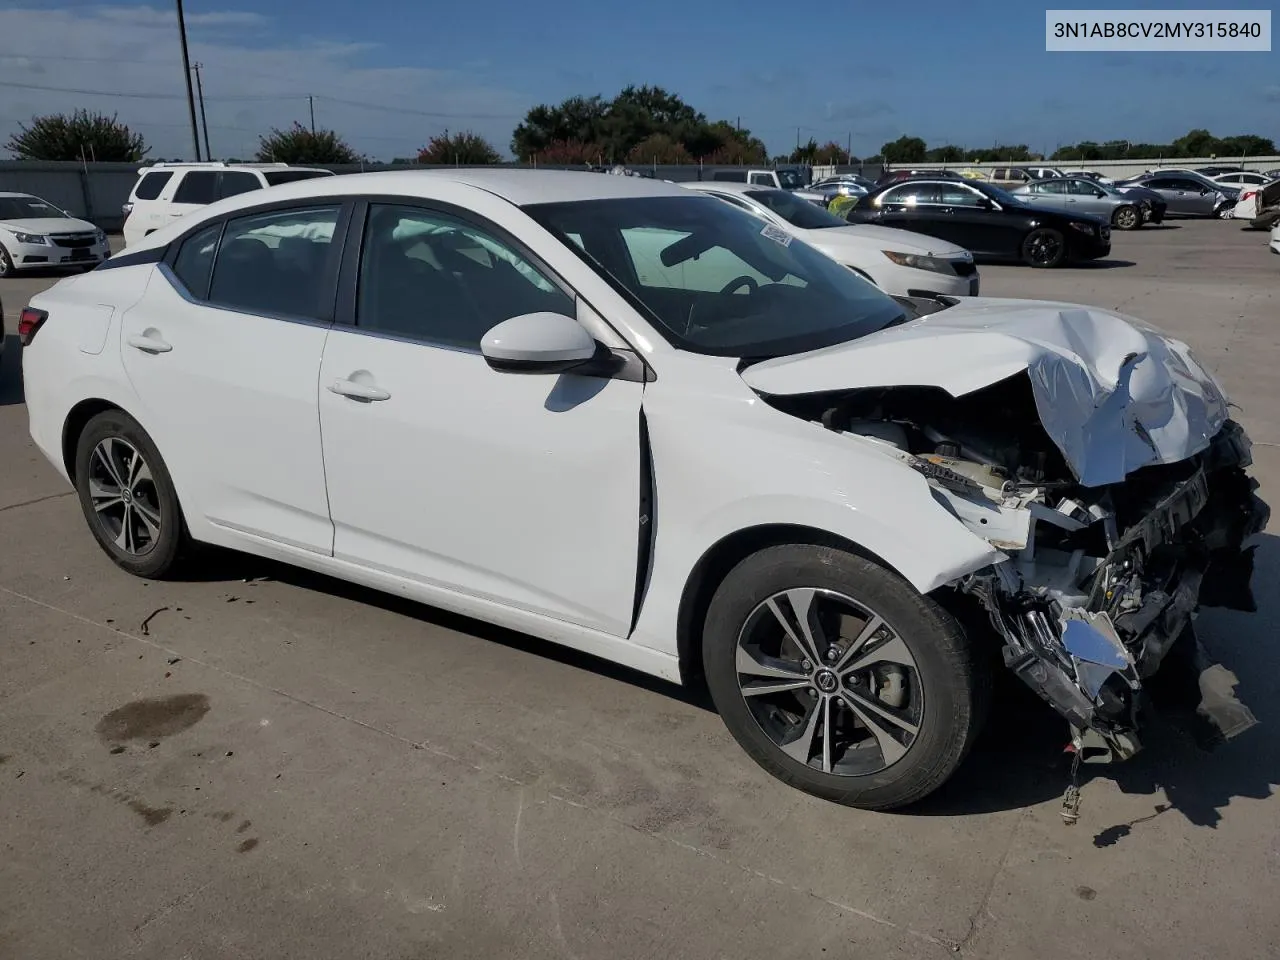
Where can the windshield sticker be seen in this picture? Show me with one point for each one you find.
(776, 234)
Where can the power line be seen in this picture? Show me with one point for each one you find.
(141, 96)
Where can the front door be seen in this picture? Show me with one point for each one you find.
(518, 489)
(223, 351)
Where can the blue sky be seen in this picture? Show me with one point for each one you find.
(972, 72)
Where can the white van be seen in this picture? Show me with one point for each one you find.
(166, 191)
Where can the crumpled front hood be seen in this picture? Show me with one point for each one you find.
(1111, 392)
(869, 237)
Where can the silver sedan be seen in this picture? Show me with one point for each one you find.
(1082, 195)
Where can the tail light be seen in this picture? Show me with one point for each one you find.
(29, 323)
(1251, 193)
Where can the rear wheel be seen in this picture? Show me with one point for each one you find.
(839, 679)
(127, 496)
(1126, 218)
(1044, 247)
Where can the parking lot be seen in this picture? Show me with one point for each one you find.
(335, 773)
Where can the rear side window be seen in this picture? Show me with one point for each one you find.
(237, 181)
(197, 186)
(274, 263)
(150, 185)
(194, 263)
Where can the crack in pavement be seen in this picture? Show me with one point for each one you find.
(951, 945)
(28, 503)
(976, 919)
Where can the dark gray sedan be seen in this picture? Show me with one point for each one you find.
(1082, 195)
(1188, 194)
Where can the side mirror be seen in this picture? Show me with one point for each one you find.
(537, 343)
(69, 214)
(986, 203)
(1100, 194)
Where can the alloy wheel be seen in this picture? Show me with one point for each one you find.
(1126, 218)
(829, 681)
(1044, 247)
(123, 491)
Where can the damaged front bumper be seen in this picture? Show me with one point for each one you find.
(1095, 596)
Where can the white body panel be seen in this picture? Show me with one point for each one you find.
(42, 243)
(515, 489)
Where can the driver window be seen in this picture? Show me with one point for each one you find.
(428, 277)
(1083, 188)
(710, 272)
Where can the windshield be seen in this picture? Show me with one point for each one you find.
(277, 177)
(995, 193)
(790, 179)
(715, 279)
(24, 208)
(796, 210)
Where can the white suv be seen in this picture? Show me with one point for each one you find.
(166, 191)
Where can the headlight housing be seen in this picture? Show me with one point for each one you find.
(919, 261)
(38, 239)
(1088, 228)
(100, 236)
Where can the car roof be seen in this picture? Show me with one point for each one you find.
(12, 195)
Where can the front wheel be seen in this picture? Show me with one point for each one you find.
(128, 497)
(1044, 247)
(1226, 211)
(6, 263)
(1126, 218)
(839, 679)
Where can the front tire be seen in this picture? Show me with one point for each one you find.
(1126, 218)
(1044, 247)
(840, 679)
(7, 268)
(128, 497)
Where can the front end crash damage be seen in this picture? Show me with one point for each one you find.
(1102, 580)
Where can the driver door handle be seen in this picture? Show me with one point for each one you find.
(149, 344)
(358, 391)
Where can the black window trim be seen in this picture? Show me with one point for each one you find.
(328, 293)
(164, 176)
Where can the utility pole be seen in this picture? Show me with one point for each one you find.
(848, 149)
(204, 121)
(186, 72)
(797, 138)
(311, 105)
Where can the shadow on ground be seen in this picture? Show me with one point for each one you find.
(1019, 760)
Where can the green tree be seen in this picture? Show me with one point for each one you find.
(300, 145)
(948, 154)
(82, 135)
(658, 148)
(570, 152)
(465, 147)
(831, 153)
(576, 120)
(904, 150)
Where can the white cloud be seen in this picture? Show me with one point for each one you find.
(252, 82)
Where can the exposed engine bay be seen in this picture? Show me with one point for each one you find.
(1100, 582)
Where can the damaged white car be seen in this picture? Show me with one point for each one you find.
(633, 420)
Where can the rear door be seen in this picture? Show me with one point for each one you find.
(223, 351)
(194, 189)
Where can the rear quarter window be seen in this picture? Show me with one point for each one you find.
(197, 186)
(149, 187)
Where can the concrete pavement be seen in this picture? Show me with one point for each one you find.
(259, 762)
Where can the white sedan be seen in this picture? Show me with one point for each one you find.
(531, 397)
(36, 235)
(899, 262)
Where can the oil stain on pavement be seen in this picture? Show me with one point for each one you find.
(152, 718)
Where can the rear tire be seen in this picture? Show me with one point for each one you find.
(128, 497)
(876, 730)
(1044, 247)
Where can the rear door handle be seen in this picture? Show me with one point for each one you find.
(149, 344)
(358, 391)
